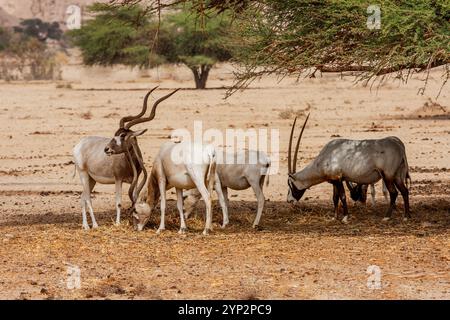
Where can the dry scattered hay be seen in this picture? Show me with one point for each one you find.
(118, 263)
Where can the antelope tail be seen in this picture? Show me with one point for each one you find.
(211, 171)
(408, 180)
(268, 172)
(407, 176)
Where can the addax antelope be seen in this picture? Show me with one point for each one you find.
(237, 171)
(358, 161)
(182, 166)
(113, 161)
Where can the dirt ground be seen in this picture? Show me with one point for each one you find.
(300, 253)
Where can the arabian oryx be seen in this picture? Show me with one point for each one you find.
(237, 171)
(183, 166)
(358, 161)
(113, 161)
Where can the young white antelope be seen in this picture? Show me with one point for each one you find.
(358, 161)
(237, 171)
(358, 192)
(182, 166)
(113, 161)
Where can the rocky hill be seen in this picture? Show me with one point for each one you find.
(12, 11)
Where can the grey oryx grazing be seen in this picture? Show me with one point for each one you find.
(358, 161)
(182, 166)
(113, 161)
(237, 171)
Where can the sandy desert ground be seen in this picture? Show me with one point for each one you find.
(300, 253)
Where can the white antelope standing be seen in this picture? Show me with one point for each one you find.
(113, 161)
(358, 161)
(182, 166)
(237, 171)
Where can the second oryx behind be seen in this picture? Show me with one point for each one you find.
(237, 171)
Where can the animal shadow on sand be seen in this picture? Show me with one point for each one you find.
(314, 218)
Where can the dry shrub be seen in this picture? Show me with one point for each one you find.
(290, 113)
(433, 106)
(64, 86)
(111, 115)
(86, 115)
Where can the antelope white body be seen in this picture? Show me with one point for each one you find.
(183, 167)
(237, 175)
(113, 161)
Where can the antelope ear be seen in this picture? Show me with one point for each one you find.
(138, 133)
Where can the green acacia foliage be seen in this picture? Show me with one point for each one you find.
(291, 37)
(115, 36)
(294, 37)
(198, 43)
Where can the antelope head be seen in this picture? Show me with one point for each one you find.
(295, 192)
(125, 138)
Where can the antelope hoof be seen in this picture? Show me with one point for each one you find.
(86, 227)
(405, 219)
(345, 220)
(160, 230)
(182, 230)
(224, 225)
(385, 219)
(94, 225)
(206, 231)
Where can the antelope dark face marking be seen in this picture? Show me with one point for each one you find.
(120, 142)
(294, 194)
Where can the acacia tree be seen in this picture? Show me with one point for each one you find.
(294, 37)
(305, 36)
(130, 35)
(116, 35)
(197, 43)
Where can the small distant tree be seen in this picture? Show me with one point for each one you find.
(24, 51)
(197, 43)
(128, 35)
(36, 28)
(4, 38)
